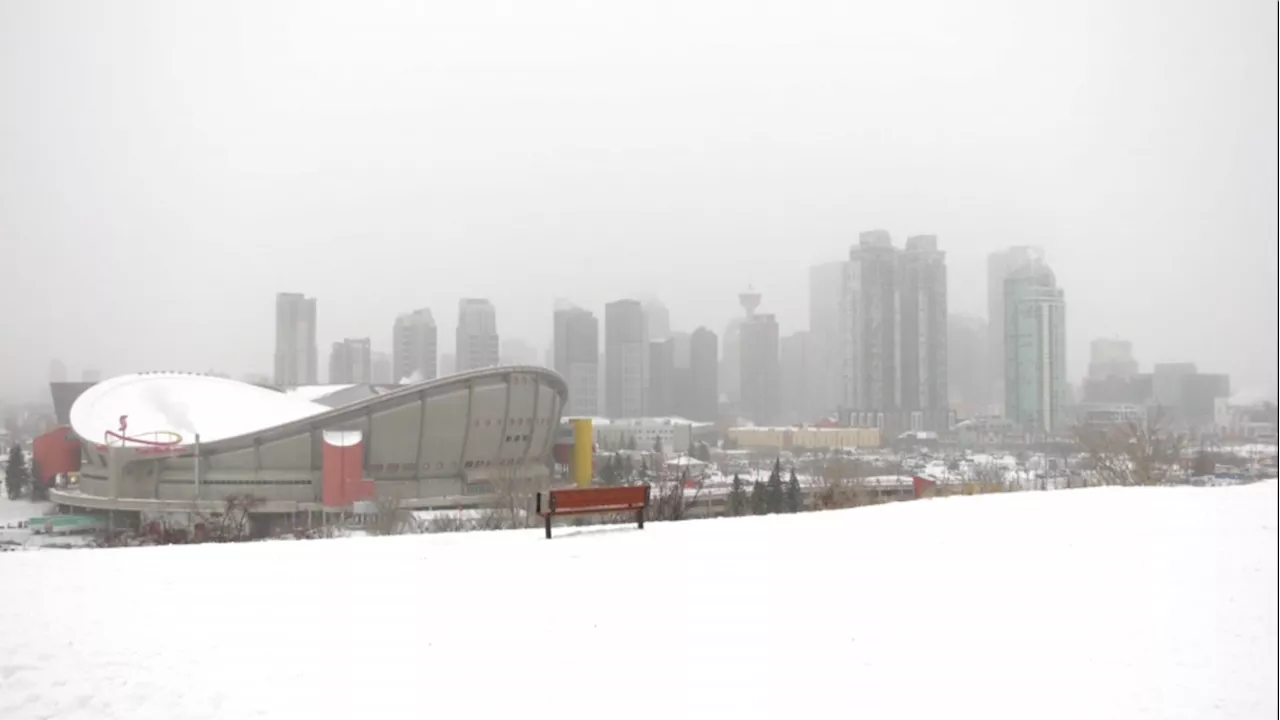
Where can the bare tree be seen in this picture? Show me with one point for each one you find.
(389, 517)
(674, 500)
(232, 523)
(1132, 453)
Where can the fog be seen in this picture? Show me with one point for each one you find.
(166, 168)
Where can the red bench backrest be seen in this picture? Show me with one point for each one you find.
(586, 498)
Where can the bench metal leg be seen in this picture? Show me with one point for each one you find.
(548, 526)
(640, 518)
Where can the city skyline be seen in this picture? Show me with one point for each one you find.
(396, 176)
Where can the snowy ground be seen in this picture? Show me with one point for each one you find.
(1103, 603)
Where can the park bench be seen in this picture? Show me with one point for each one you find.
(593, 501)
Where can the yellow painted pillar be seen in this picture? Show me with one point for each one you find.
(583, 452)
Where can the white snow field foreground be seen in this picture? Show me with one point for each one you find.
(1105, 603)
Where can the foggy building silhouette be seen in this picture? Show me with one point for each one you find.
(922, 318)
(626, 357)
(999, 265)
(351, 361)
(1035, 372)
(576, 356)
(414, 346)
(476, 341)
(760, 375)
(704, 371)
(296, 361)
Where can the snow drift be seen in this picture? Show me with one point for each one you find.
(1106, 603)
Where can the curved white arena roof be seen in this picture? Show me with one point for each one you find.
(170, 408)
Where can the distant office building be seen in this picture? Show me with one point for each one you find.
(1115, 390)
(477, 335)
(1201, 394)
(575, 355)
(730, 363)
(731, 349)
(1166, 383)
(761, 381)
(1035, 372)
(682, 403)
(57, 371)
(351, 361)
(704, 371)
(795, 365)
(1184, 398)
(414, 345)
(382, 366)
(662, 378)
(626, 349)
(515, 351)
(872, 391)
(967, 376)
(999, 266)
(827, 356)
(922, 317)
(1110, 357)
(296, 361)
(657, 319)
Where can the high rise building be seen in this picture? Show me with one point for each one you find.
(795, 362)
(967, 376)
(1111, 357)
(704, 369)
(657, 319)
(351, 361)
(681, 374)
(1035, 372)
(922, 329)
(414, 343)
(999, 265)
(575, 355)
(57, 371)
(872, 390)
(515, 351)
(626, 348)
(731, 348)
(662, 378)
(382, 365)
(894, 335)
(477, 335)
(827, 319)
(761, 381)
(296, 360)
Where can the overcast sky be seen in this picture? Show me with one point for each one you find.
(167, 167)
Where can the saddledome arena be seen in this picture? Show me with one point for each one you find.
(176, 442)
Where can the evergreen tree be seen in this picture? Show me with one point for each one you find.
(703, 452)
(759, 503)
(631, 442)
(609, 472)
(15, 474)
(737, 497)
(795, 501)
(657, 445)
(774, 498)
(39, 491)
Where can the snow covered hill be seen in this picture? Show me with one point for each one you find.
(1106, 603)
